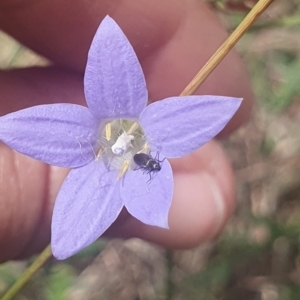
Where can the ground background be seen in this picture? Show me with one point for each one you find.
(258, 254)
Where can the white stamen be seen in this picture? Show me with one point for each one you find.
(122, 144)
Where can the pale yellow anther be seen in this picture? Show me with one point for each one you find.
(108, 131)
(133, 128)
(145, 149)
(100, 152)
(123, 169)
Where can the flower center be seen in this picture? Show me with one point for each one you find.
(120, 140)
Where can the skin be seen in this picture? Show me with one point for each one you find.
(173, 39)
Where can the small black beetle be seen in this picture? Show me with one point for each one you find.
(147, 163)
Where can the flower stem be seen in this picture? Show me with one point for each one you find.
(28, 273)
(212, 63)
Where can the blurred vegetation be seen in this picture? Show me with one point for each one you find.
(258, 255)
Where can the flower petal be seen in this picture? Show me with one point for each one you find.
(114, 82)
(87, 204)
(58, 134)
(177, 126)
(149, 201)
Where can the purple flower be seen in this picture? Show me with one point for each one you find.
(99, 143)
